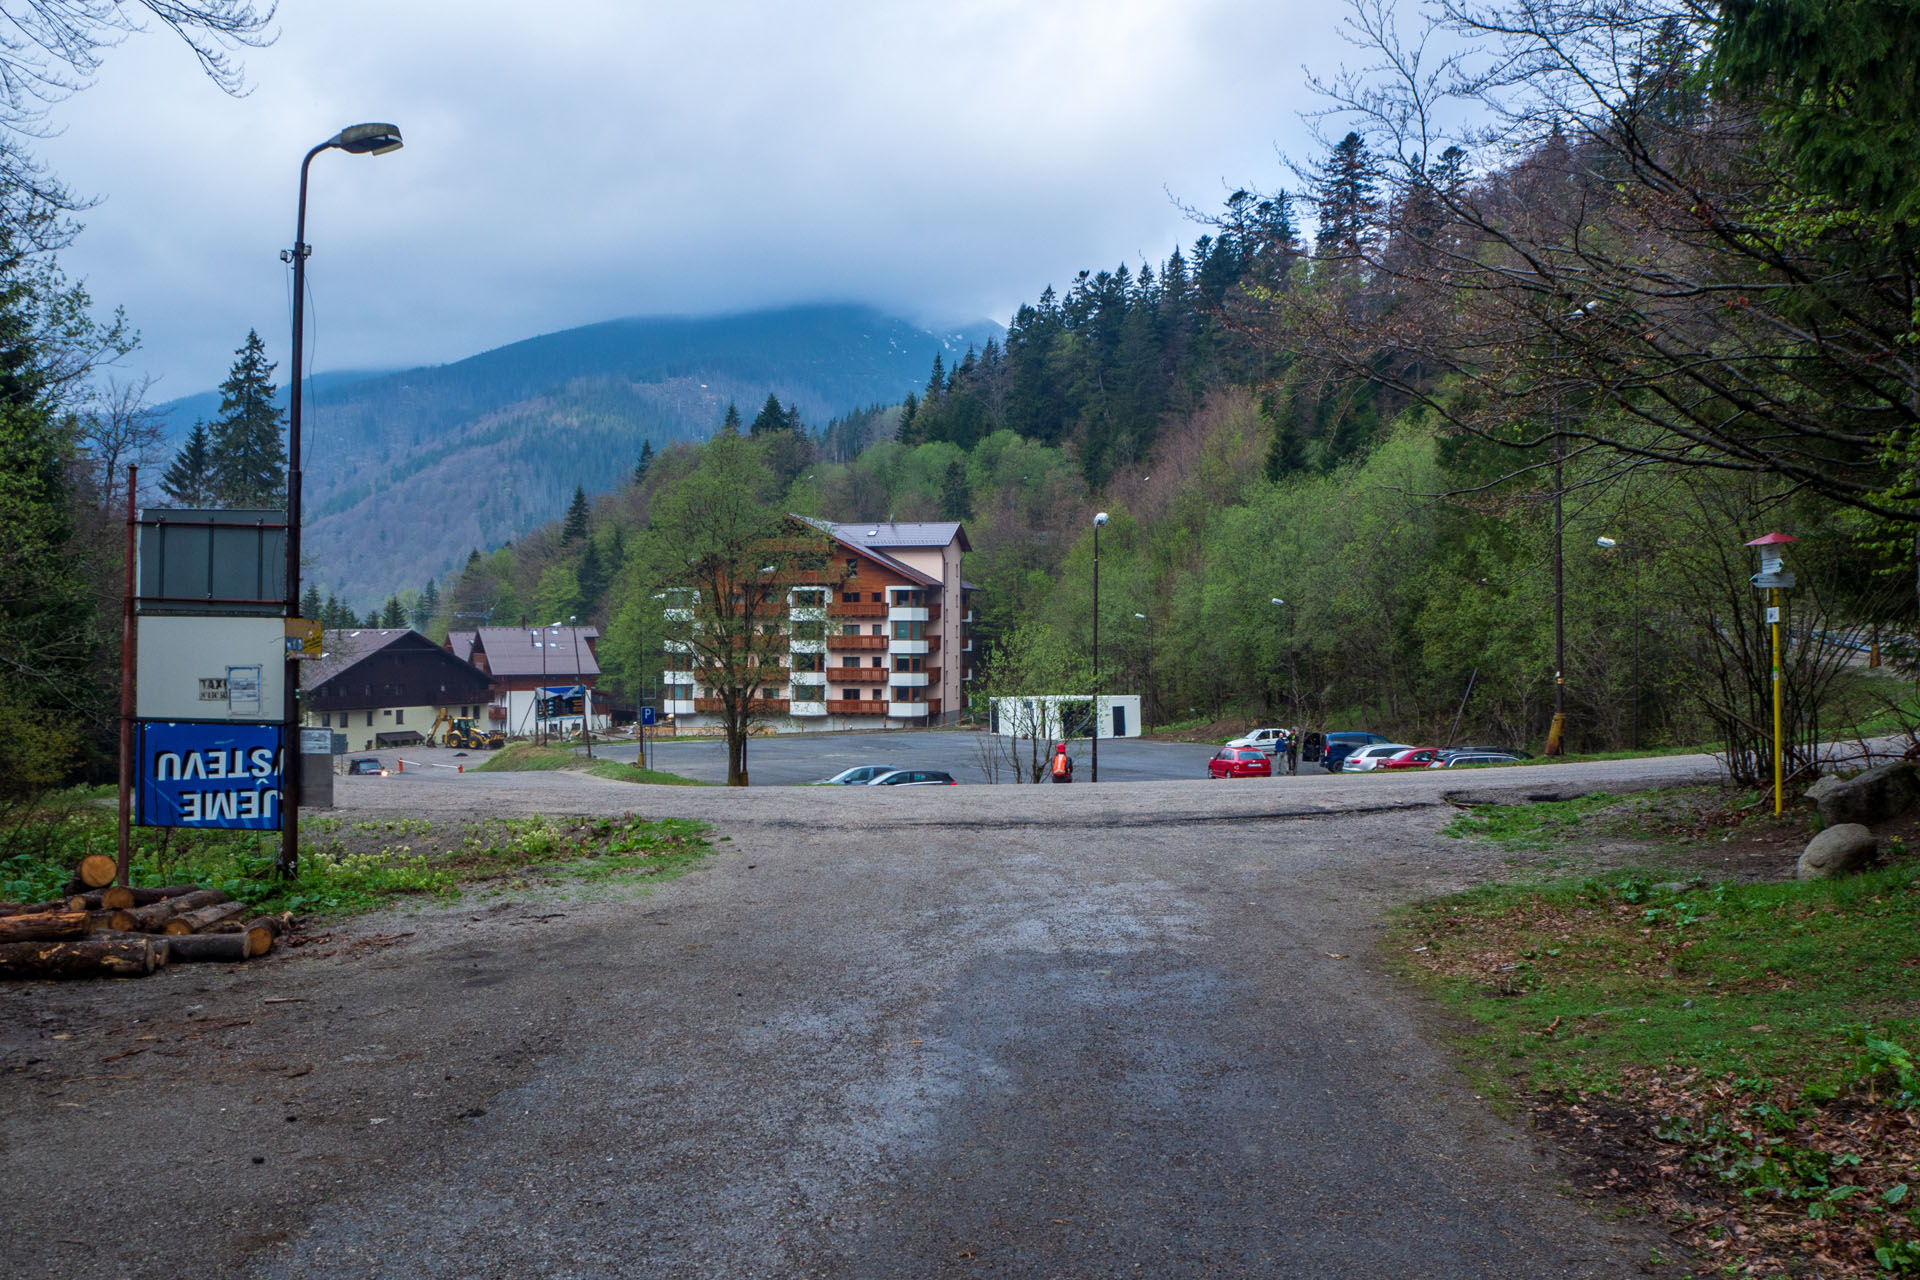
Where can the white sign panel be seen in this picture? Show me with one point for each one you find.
(193, 668)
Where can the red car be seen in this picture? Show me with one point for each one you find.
(1412, 758)
(1240, 762)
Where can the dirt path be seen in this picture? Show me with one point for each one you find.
(1081, 1033)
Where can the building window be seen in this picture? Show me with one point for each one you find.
(326, 719)
(809, 598)
(809, 631)
(369, 719)
(400, 717)
(849, 662)
(809, 662)
(909, 630)
(878, 662)
(849, 628)
(909, 664)
(769, 694)
(878, 630)
(878, 694)
(879, 598)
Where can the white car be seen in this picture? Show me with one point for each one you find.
(1369, 758)
(1267, 740)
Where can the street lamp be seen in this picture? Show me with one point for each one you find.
(1099, 519)
(359, 139)
(1147, 727)
(586, 699)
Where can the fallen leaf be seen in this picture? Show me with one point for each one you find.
(1335, 955)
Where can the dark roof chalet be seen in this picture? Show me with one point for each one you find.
(373, 667)
(515, 651)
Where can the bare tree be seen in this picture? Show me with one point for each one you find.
(120, 429)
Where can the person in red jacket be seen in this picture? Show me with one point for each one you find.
(1062, 764)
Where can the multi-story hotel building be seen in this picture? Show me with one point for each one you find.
(887, 642)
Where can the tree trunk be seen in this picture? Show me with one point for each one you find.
(262, 931)
(96, 870)
(31, 908)
(149, 919)
(116, 896)
(118, 920)
(89, 957)
(201, 919)
(46, 926)
(209, 946)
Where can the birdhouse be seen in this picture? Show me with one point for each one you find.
(1773, 572)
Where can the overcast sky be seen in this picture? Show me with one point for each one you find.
(577, 162)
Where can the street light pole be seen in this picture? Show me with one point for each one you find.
(1147, 703)
(586, 699)
(359, 139)
(1098, 520)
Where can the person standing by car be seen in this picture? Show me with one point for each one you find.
(1293, 753)
(1062, 764)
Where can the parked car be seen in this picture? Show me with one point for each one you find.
(367, 765)
(1267, 740)
(1413, 758)
(1466, 759)
(1240, 762)
(914, 778)
(1369, 758)
(858, 776)
(1331, 748)
(1481, 748)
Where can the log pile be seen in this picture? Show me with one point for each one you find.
(106, 930)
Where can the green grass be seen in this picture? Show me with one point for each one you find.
(1546, 825)
(351, 866)
(527, 757)
(1574, 984)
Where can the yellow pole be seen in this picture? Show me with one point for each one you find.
(1778, 789)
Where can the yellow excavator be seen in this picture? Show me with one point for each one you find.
(464, 735)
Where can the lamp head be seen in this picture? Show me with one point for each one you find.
(1605, 543)
(368, 139)
(1276, 600)
(1100, 518)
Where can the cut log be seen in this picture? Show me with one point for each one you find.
(115, 897)
(189, 948)
(45, 926)
(118, 921)
(96, 871)
(87, 958)
(152, 918)
(262, 930)
(31, 908)
(147, 897)
(201, 919)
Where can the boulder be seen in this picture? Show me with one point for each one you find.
(1883, 792)
(1839, 851)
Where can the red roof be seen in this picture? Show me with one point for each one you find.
(1771, 539)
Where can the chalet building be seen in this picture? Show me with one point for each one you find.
(886, 643)
(385, 688)
(520, 662)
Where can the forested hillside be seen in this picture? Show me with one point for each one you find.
(1641, 318)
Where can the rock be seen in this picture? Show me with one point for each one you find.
(1880, 793)
(1838, 851)
(1825, 787)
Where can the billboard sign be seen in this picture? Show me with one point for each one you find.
(210, 668)
(209, 775)
(213, 562)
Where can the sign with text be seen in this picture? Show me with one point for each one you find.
(191, 668)
(303, 637)
(209, 775)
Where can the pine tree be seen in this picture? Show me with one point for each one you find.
(188, 481)
(956, 499)
(590, 579)
(1346, 183)
(249, 456)
(428, 606)
(730, 424)
(333, 614)
(373, 620)
(645, 464)
(394, 615)
(310, 605)
(473, 557)
(771, 418)
(576, 525)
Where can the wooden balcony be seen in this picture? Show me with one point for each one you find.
(852, 707)
(857, 675)
(856, 642)
(864, 609)
(762, 706)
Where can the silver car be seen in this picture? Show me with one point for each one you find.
(858, 776)
(1368, 758)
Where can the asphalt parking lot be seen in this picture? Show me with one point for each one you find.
(794, 759)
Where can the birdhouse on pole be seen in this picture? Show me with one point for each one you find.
(1773, 572)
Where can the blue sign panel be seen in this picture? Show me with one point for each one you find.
(210, 775)
(646, 716)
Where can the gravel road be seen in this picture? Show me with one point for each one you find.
(1089, 1031)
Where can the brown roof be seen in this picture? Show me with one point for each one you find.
(513, 651)
(906, 571)
(341, 649)
(460, 643)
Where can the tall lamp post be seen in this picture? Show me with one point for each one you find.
(359, 140)
(1099, 519)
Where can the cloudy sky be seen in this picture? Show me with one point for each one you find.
(597, 159)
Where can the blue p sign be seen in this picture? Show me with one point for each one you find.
(646, 716)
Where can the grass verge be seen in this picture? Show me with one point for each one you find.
(347, 866)
(528, 757)
(1737, 1056)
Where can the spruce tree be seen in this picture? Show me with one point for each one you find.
(576, 525)
(249, 456)
(333, 614)
(956, 499)
(310, 605)
(771, 418)
(394, 615)
(1345, 187)
(428, 607)
(645, 464)
(730, 424)
(188, 481)
(590, 579)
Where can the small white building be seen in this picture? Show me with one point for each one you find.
(1064, 716)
